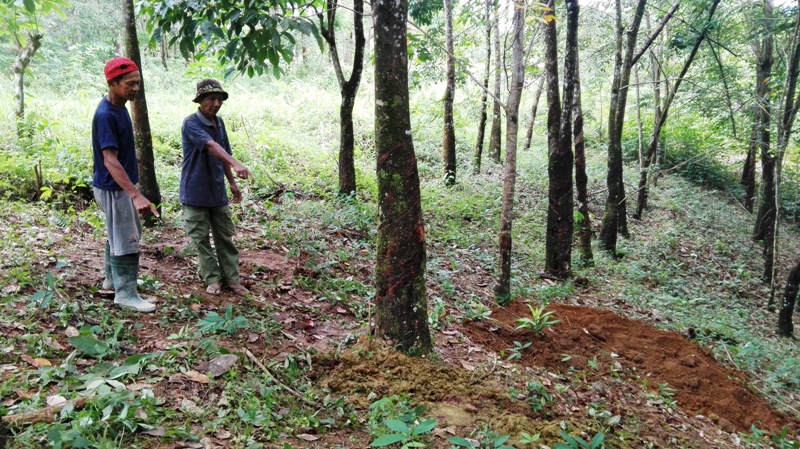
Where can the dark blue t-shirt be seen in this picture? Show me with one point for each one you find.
(202, 174)
(112, 128)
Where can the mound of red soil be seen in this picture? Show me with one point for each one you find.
(700, 384)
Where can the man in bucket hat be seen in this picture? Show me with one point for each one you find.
(114, 181)
(207, 162)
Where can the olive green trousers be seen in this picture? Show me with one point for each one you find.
(214, 221)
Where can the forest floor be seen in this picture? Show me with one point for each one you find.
(607, 369)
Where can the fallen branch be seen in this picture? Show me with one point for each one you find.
(46, 415)
(255, 360)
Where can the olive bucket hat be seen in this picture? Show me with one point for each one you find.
(209, 86)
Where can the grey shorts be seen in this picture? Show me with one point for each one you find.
(123, 227)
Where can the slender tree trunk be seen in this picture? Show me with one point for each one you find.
(503, 288)
(484, 95)
(615, 214)
(400, 296)
(581, 180)
(148, 183)
(749, 170)
(765, 216)
(495, 135)
(347, 87)
(558, 245)
(449, 136)
(785, 325)
(536, 95)
(164, 52)
(662, 118)
(23, 58)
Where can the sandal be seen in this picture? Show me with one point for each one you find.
(214, 289)
(239, 289)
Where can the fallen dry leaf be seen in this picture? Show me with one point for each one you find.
(138, 386)
(196, 307)
(222, 434)
(71, 332)
(252, 337)
(9, 289)
(222, 364)
(191, 376)
(307, 437)
(157, 432)
(56, 400)
(37, 362)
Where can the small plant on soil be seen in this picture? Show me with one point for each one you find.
(406, 434)
(483, 439)
(516, 351)
(576, 442)
(213, 322)
(538, 396)
(538, 321)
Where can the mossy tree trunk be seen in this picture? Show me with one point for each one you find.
(24, 55)
(581, 179)
(495, 136)
(476, 164)
(503, 288)
(558, 245)
(785, 325)
(347, 87)
(402, 313)
(615, 219)
(148, 183)
(449, 135)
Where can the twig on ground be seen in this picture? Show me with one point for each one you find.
(255, 360)
(45, 415)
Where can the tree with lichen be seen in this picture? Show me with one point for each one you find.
(400, 292)
(19, 20)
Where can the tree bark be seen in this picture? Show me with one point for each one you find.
(560, 220)
(581, 179)
(401, 303)
(23, 58)
(615, 214)
(495, 136)
(785, 325)
(484, 95)
(148, 183)
(749, 170)
(537, 94)
(764, 62)
(348, 88)
(449, 136)
(503, 288)
(661, 118)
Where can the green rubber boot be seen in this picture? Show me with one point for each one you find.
(108, 282)
(125, 270)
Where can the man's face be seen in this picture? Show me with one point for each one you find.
(128, 86)
(210, 104)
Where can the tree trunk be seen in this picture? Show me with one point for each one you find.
(449, 136)
(23, 58)
(785, 325)
(615, 215)
(400, 296)
(536, 95)
(148, 183)
(749, 170)
(347, 87)
(661, 118)
(560, 220)
(484, 95)
(581, 180)
(503, 288)
(495, 135)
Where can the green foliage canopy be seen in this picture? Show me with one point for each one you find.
(18, 17)
(248, 36)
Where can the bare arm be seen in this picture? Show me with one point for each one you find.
(116, 171)
(228, 161)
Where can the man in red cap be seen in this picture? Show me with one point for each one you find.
(114, 180)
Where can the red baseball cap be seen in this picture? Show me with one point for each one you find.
(119, 66)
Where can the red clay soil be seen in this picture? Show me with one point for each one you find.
(701, 386)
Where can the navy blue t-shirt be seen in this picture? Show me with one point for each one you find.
(202, 174)
(112, 128)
